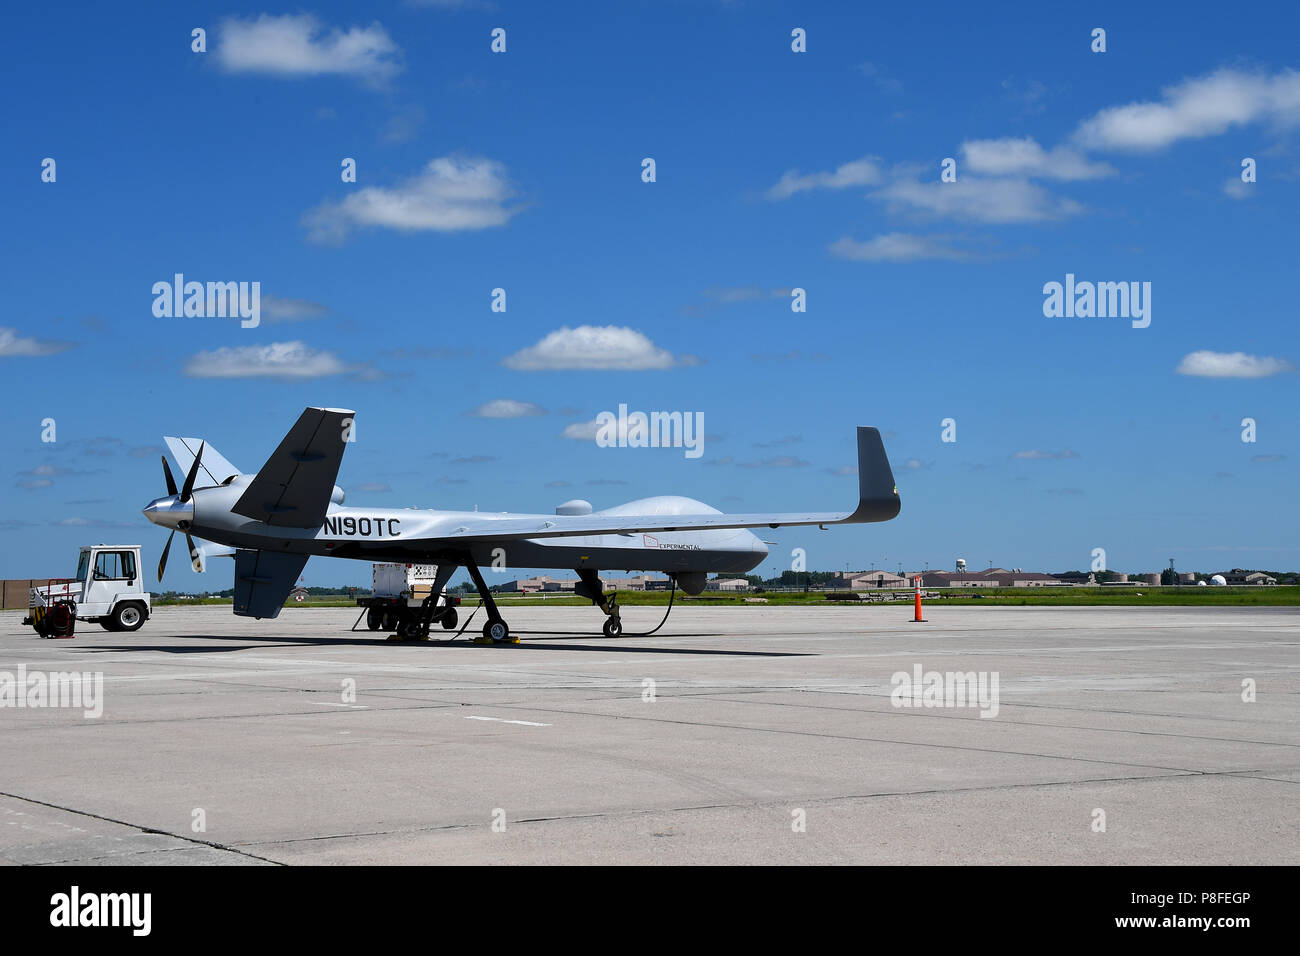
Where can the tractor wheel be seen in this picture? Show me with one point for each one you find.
(127, 616)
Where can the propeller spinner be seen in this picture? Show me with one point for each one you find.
(176, 511)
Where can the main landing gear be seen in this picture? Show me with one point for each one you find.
(592, 588)
(496, 630)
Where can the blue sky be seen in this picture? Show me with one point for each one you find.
(775, 170)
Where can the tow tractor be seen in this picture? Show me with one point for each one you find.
(404, 601)
(106, 590)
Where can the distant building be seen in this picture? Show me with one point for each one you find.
(546, 584)
(1026, 579)
(1076, 577)
(865, 580)
(948, 579)
(1253, 578)
(540, 583)
(727, 584)
(637, 582)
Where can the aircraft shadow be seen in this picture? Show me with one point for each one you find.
(224, 646)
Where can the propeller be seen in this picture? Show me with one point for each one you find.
(195, 555)
(162, 562)
(186, 492)
(167, 474)
(188, 487)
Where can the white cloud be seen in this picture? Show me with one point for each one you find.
(507, 408)
(730, 296)
(586, 431)
(299, 45)
(860, 172)
(279, 360)
(1206, 364)
(897, 247)
(1035, 454)
(595, 347)
(877, 75)
(780, 461)
(1237, 189)
(404, 124)
(1024, 157)
(448, 195)
(13, 345)
(1195, 108)
(721, 296)
(980, 200)
(277, 309)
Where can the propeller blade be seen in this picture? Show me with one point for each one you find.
(188, 487)
(162, 562)
(196, 556)
(167, 473)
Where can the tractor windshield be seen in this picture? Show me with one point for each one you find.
(83, 565)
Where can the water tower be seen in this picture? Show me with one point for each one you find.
(961, 565)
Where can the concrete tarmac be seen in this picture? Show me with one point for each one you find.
(734, 735)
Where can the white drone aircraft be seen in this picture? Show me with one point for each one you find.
(292, 509)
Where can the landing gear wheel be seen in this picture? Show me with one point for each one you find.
(374, 618)
(613, 627)
(449, 619)
(126, 617)
(410, 630)
(496, 631)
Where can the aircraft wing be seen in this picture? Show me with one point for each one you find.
(263, 580)
(293, 488)
(877, 501)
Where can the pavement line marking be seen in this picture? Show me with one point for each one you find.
(330, 703)
(524, 723)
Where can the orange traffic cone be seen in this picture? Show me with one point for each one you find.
(916, 618)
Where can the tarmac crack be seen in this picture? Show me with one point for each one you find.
(135, 826)
(756, 805)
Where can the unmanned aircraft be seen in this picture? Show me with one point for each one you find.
(291, 509)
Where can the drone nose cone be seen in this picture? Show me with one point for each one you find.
(169, 512)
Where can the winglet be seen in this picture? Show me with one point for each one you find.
(877, 492)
